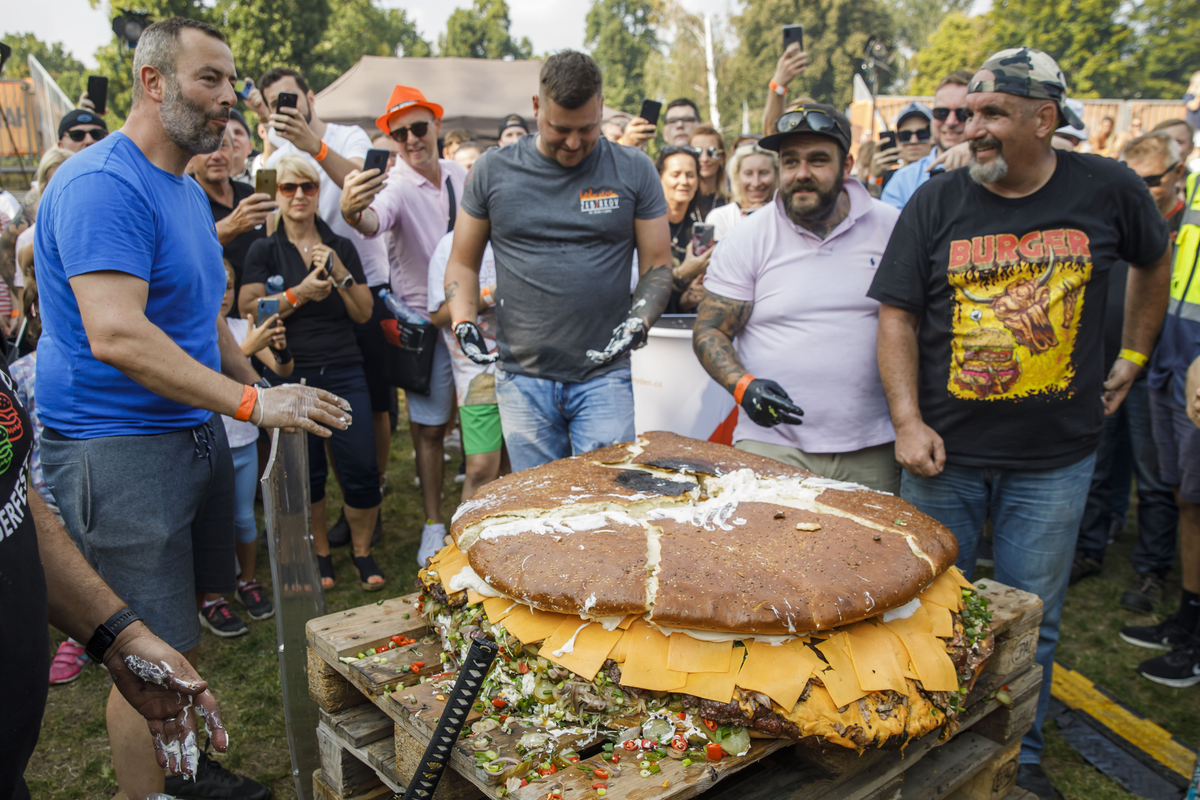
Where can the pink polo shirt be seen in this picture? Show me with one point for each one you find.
(415, 213)
(812, 329)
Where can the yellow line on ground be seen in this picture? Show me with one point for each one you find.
(1079, 693)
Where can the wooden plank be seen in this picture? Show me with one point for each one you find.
(369, 755)
(344, 773)
(995, 780)
(359, 726)
(323, 791)
(408, 752)
(1005, 724)
(328, 687)
(1016, 616)
(394, 667)
(945, 769)
(346, 633)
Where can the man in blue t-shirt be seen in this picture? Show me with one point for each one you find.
(130, 360)
(949, 129)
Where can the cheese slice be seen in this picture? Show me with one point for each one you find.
(473, 597)
(928, 655)
(878, 657)
(497, 608)
(685, 654)
(955, 573)
(625, 623)
(944, 591)
(646, 661)
(446, 552)
(448, 568)
(839, 677)
(532, 625)
(715, 686)
(583, 645)
(618, 652)
(780, 672)
(941, 620)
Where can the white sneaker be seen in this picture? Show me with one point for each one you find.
(433, 537)
(453, 442)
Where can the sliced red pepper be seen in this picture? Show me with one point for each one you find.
(646, 744)
(713, 751)
(679, 742)
(523, 668)
(708, 723)
(616, 757)
(630, 745)
(682, 715)
(573, 759)
(599, 785)
(416, 666)
(553, 768)
(499, 703)
(524, 782)
(600, 773)
(502, 718)
(554, 796)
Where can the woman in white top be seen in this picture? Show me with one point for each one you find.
(755, 176)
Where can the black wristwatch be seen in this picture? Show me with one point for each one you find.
(346, 282)
(106, 633)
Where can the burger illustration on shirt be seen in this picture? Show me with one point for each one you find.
(988, 364)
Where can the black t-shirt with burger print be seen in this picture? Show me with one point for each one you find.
(1010, 294)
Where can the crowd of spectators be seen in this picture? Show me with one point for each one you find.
(967, 315)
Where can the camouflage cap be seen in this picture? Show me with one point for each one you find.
(1026, 72)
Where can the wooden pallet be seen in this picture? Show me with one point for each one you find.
(389, 735)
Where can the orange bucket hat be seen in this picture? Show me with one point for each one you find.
(403, 99)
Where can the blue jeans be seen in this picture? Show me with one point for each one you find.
(245, 485)
(1157, 515)
(545, 420)
(1035, 517)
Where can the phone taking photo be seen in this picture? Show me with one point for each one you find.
(266, 307)
(793, 33)
(376, 159)
(702, 237)
(243, 88)
(286, 100)
(650, 111)
(887, 140)
(97, 92)
(264, 182)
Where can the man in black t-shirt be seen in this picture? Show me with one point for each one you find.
(991, 335)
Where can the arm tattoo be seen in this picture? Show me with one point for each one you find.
(653, 293)
(451, 290)
(8, 239)
(718, 320)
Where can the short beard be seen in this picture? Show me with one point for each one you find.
(186, 123)
(987, 173)
(822, 209)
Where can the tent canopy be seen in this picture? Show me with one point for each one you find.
(475, 92)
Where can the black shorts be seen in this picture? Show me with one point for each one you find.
(373, 348)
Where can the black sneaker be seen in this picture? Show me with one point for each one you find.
(220, 619)
(1178, 669)
(1144, 594)
(1083, 567)
(254, 598)
(214, 782)
(1166, 635)
(983, 553)
(1033, 779)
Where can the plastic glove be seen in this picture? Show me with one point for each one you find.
(768, 404)
(294, 406)
(629, 335)
(470, 339)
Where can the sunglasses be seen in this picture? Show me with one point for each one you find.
(818, 121)
(673, 149)
(681, 120)
(713, 152)
(905, 137)
(943, 114)
(96, 133)
(1156, 180)
(419, 129)
(308, 187)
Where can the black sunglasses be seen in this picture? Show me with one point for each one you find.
(308, 187)
(672, 149)
(943, 114)
(1156, 180)
(419, 129)
(96, 133)
(818, 121)
(713, 152)
(905, 137)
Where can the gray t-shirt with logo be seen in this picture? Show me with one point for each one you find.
(564, 241)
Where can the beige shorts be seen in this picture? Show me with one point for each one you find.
(874, 467)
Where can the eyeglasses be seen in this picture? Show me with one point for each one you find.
(682, 120)
(419, 129)
(818, 121)
(308, 187)
(673, 149)
(1156, 180)
(943, 114)
(922, 135)
(96, 133)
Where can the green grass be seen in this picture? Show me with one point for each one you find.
(72, 759)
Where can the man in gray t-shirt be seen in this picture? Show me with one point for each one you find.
(564, 211)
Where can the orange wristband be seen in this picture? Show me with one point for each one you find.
(246, 407)
(487, 296)
(324, 151)
(740, 390)
(775, 87)
(291, 298)
(457, 321)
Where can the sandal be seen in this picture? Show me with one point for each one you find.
(325, 568)
(368, 569)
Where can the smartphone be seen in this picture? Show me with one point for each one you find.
(266, 307)
(97, 91)
(650, 111)
(887, 139)
(244, 88)
(702, 237)
(376, 159)
(5, 55)
(286, 100)
(793, 33)
(264, 182)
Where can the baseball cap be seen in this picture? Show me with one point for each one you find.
(912, 108)
(818, 118)
(513, 121)
(405, 98)
(79, 116)
(1079, 132)
(237, 117)
(1026, 72)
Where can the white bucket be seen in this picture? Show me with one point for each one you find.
(671, 390)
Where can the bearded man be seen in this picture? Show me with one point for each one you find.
(130, 370)
(1023, 455)
(785, 298)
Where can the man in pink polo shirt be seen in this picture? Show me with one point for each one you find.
(785, 297)
(417, 205)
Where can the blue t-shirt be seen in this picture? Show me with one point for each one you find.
(109, 208)
(907, 180)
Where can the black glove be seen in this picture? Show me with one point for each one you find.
(629, 335)
(470, 339)
(768, 404)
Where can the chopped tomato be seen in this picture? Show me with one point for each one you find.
(602, 774)
(416, 666)
(682, 715)
(524, 782)
(400, 641)
(616, 757)
(713, 751)
(573, 759)
(630, 745)
(679, 742)
(523, 668)
(499, 703)
(599, 785)
(502, 718)
(710, 724)
(550, 770)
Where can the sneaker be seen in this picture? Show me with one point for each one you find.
(452, 443)
(432, 539)
(1167, 635)
(1033, 779)
(1145, 593)
(68, 663)
(220, 619)
(1115, 526)
(254, 598)
(983, 553)
(461, 477)
(1178, 669)
(214, 781)
(1083, 567)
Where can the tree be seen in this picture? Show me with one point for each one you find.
(621, 35)
(361, 28)
(960, 42)
(1093, 45)
(916, 20)
(482, 32)
(68, 72)
(274, 33)
(1169, 51)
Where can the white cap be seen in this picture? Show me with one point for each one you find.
(1080, 133)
